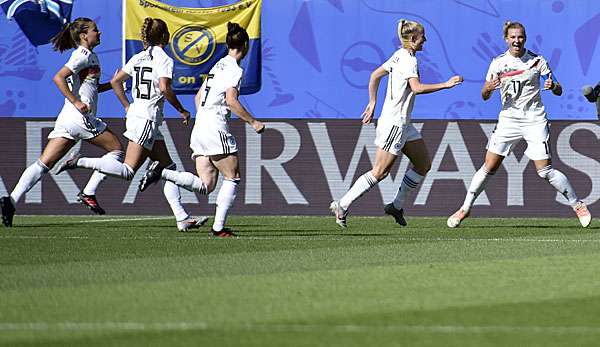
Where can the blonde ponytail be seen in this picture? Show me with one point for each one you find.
(407, 30)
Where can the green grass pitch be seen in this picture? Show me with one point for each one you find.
(299, 281)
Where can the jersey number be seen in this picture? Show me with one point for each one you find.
(207, 88)
(139, 79)
(517, 88)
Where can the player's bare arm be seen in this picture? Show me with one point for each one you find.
(198, 99)
(117, 85)
(421, 88)
(489, 87)
(164, 84)
(231, 97)
(60, 79)
(376, 76)
(555, 87)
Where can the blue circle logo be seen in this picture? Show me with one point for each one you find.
(193, 44)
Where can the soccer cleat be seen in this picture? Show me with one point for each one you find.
(584, 215)
(340, 214)
(398, 214)
(151, 176)
(457, 218)
(191, 223)
(91, 202)
(225, 232)
(8, 211)
(68, 164)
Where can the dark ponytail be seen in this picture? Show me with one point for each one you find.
(154, 32)
(237, 37)
(68, 37)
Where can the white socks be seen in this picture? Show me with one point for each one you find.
(225, 200)
(171, 192)
(362, 185)
(108, 164)
(409, 182)
(97, 177)
(28, 179)
(476, 187)
(185, 180)
(560, 182)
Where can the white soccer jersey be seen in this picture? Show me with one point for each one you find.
(84, 81)
(224, 75)
(399, 98)
(520, 85)
(146, 68)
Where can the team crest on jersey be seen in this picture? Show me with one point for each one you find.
(193, 44)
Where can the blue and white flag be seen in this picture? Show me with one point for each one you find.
(39, 20)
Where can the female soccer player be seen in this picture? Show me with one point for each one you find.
(214, 148)
(395, 133)
(517, 73)
(78, 82)
(153, 71)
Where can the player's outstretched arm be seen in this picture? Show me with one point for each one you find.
(164, 84)
(117, 85)
(60, 79)
(376, 76)
(421, 88)
(231, 97)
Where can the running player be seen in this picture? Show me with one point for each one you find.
(214, 148)
(78, 82)
(517, 73)
(395, 133)
(153, 71)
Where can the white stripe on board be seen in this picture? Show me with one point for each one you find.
(241, 236)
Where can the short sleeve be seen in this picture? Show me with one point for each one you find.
(403, 64)
(543, 66)
(128, 68)
(388, 65)
(164, 68)
(492, 72)
(233, 79)
(77, 61)
(410, 69)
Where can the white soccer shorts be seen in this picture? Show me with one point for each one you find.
(75, 126)
(207, 140)
(142, 131)
(507, 133)
(392, 137)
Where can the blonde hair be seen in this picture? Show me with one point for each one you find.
(407, 30)
(512, 25)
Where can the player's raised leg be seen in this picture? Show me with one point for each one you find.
(561, 183)
(111, 144)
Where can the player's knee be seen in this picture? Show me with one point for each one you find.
(423, 169)
(380, 174)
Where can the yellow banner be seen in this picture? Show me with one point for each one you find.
(246, 13)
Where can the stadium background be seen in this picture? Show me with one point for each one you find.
(316, 60)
